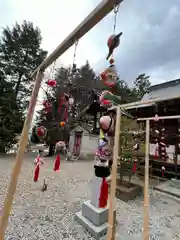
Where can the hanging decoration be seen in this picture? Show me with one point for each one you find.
(103, 102)
(37, 162)
(104, 153)
(41, 132)
(58, 148)
(51, 83)
(135, 149)
(162, 146)
(113, 42)
(109, 76)
(62, 124)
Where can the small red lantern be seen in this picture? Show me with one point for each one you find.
(111, 61)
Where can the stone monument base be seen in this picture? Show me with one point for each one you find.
(93, 219)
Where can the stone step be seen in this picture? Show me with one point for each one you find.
(96, 231)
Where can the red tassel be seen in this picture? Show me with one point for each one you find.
(36, 173)
(103, 194)
(57, 163)
(134, 167)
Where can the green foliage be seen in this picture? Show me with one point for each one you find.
(20, 54)
(10, 117)
(141, 85)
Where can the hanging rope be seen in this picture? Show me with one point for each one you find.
(75, 50)
(116, 10)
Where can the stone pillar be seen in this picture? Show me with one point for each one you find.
(91, 217)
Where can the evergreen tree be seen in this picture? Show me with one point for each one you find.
(141, 85)
(10, 117)
(20, 54)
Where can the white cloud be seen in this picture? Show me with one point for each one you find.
(56, 19)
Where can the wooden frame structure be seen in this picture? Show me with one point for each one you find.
(111, 224)
(89, 22)
(111, 218)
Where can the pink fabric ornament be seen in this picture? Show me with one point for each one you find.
(104, 102)
(107, 123)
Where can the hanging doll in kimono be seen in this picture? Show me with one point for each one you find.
(104, 153)
(38, 161)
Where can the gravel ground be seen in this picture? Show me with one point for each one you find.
(50, 215)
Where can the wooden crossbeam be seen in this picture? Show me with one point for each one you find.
(105, 7)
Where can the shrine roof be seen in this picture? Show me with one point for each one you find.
(164, 91)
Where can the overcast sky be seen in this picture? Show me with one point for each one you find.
(150, 41)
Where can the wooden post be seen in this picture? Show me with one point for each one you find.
(19, 158)
(111, 218)
(146, 186)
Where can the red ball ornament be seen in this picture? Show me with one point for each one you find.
(111, 61)
(62, 124)
(41, 132)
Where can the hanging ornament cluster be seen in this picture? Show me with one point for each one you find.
(109, 76)
(162, 145)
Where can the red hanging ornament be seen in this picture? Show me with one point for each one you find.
(62, 124)
(113, 42)
(57, 163)
(38, 161)
(111, 61)
(103, 194)
(134, 167)
(51, 83)
(36, 173)
(104, 102)
(41, 132)
(109, 76)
